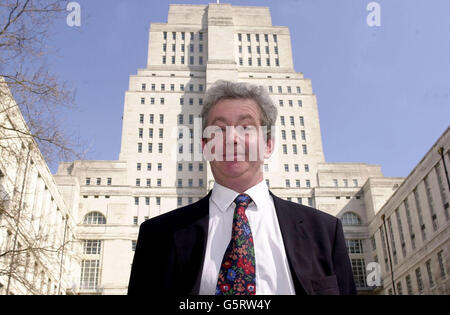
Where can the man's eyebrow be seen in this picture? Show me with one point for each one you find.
(218, 119)
(243, 117)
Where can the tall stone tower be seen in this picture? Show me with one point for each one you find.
(197, 46)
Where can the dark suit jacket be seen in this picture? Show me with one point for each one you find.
(170, 251)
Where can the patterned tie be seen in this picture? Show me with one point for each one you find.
(237, 272)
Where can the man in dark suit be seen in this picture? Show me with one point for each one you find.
(241, 238)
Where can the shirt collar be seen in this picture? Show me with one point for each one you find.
(223, 196)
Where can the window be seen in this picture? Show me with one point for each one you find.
(158, 182)
(308, 183)
(359, 272)
(150, 148)
(164, 59)
(410, 226)
(441, 264)
(99, 181)
(288, 183)
(430, 273)
(135, 220)
(297, 183)
(240, 37)
(409, 285)
(147, 201)
(159, 167)
(200, 60)
(284, 149)
(200, 167)
(286, 167)
(282, 120)
(161, 118)
(291, 119)
(306, 168)
(302, 121)
(419, 280)
(283, 134)
(94, 218)
(161, 133)
(143, 87)
(303, 135)
(200, 36)
(419, 213)
(179, 182)
(109, 181)
(174, 35)
(345, 182)
(148, 182)
(89, 274)
(305, 149)
(88, 181)
(355, 182)
(293, 135)
(294, 149)
(133, 245)
(300, 104)
(350, 218)
(430, 203)
(200, 182)
(92, 247)
(151, 120)
(354, 246)
(275, 38)
(158, 201)
(160, 148)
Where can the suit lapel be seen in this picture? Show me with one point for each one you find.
(190, 243)
(296, 243)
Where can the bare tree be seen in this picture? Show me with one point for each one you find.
(32, 101)
(25, 28)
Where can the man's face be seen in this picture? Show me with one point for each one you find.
(238, 147)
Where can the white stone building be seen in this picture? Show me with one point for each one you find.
(38, 246)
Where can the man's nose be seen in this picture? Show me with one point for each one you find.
(232, 135)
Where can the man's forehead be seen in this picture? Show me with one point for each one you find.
(239, 118)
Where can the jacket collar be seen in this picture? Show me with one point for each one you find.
(190, 243)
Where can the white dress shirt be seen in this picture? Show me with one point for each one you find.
(272, 269)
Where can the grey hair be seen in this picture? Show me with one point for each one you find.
(222, 90)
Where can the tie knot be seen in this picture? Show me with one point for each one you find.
(243, 199)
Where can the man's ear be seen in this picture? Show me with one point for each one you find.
(203, 144)
(270, 146)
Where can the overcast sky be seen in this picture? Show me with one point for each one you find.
(383, 92)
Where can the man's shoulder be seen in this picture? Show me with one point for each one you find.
(304, 212)
(180, 217)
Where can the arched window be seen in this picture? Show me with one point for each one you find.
(94, 218)
(350, 218)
